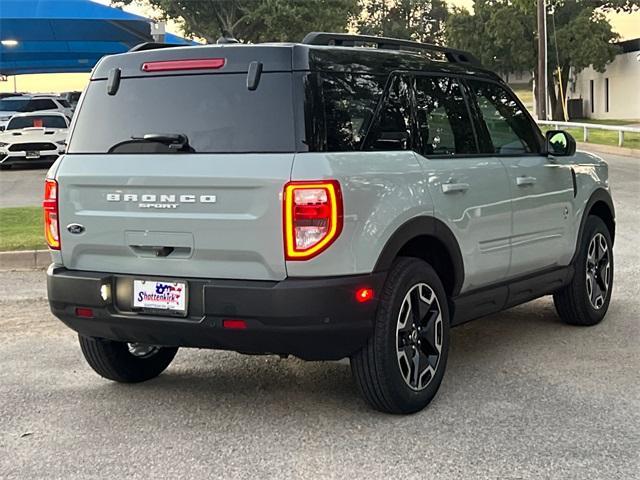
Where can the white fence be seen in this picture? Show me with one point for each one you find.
(592, 126)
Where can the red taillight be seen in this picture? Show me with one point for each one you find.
(312, 217)
(84, 312)
(50, 206)
(194, 64)
(233, 324)
(364, 295)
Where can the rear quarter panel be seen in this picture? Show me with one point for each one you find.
(381, 191)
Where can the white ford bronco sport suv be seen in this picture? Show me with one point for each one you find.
(346, 196)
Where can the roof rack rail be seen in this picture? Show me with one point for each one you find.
(153, 45)
(350, 40)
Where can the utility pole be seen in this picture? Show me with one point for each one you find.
(541, 80)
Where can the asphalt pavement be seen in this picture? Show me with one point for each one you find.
(22, 187)
(524, 397)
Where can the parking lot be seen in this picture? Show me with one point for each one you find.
(525, 396)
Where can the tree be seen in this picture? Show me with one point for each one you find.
(499, 33)
(255, 20)
(502, 33)
(420, 20)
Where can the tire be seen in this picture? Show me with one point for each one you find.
(386, 377)
(586, 299)
(115, 361)
(5, 167)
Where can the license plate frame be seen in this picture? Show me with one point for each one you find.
(32, 154)
(159, 296)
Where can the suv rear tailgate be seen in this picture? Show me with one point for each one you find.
(197, 215)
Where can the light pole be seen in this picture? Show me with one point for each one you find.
(541, 98)
(11, 43)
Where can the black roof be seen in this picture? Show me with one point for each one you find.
(629, 46)
(289, 57)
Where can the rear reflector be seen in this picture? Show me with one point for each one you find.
(364, 295)
(168, 65)
(50, 207)
(312, 217)
(84, 312)
(234, 324)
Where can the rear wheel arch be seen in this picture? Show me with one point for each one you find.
(431, 240)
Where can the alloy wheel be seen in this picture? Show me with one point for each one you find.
(142, 350)
(419, 336)
(598, 271)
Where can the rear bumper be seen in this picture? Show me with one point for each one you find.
(314, 319)
(20, 158)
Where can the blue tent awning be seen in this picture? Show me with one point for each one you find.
(66, 35)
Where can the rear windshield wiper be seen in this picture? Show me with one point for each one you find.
(175, 142)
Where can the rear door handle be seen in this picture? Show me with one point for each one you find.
(521, 181)
(454, 187)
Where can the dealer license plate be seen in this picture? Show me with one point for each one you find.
(32, 154)
(152, 295)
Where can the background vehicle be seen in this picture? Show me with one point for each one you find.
(33, 138)
(72, 98)
(10, 106)
(316, 199)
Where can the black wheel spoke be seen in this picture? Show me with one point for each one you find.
(415, 370)
(418, 307)
(428, 333)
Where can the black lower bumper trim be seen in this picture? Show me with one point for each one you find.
(314, 319)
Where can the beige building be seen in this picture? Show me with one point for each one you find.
(615, 93)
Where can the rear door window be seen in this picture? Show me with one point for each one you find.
(339, 108)
(392, 128)
(216, 113)
(442, 117)
(505, 128)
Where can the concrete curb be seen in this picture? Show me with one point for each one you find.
(25, 260)
(597, 148)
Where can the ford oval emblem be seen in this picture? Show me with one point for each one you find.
(75, 228)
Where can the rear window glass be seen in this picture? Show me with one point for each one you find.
(215, 113)
(47, 121)
(19, 105)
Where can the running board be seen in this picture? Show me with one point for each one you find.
(493, 299)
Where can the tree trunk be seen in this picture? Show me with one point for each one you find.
(557, 109)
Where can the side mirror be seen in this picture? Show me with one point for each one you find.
(560, 143)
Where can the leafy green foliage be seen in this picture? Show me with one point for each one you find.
(255, 21)
(420, 20)
(502, 33)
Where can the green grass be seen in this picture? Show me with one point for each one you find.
(601, 137)
(21, 228)
(525, 96)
